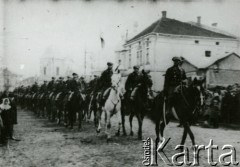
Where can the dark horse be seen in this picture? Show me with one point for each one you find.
(135, 107)
(74, 107)
(186, 102)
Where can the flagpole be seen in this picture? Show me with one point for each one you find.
(85, 62)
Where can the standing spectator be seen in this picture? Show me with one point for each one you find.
(215, 111)
(5, 112)
(13, 116)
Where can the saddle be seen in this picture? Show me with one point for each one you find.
(57, 96)
(104, 95)
(133, 93)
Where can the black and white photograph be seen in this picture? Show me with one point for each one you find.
(119, 83)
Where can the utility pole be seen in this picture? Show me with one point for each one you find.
(85, 62)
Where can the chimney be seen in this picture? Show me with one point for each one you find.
(164, 14)
(214, 24)
(199, 20)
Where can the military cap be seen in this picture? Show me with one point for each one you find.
(135, 67)
(53, 77)
(60, 77)
(82, 77)
(109, 63)
(147, 71)
(45, 81)
(74, 74)
(176, 59)
(95, 76)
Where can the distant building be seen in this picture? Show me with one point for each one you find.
(9, 80)
(28, 81)
(50, 66)
(154, 47)
(221, 71)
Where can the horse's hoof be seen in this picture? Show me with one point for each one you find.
(98, 131)
(108, 140)
(109, 126)
(139, 137)
(117, 134)
(131, 133)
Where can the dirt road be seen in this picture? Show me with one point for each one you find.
(44, 144)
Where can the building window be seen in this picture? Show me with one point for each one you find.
(196, 41)
(141, 57)
(217, 43)
(208, 53)
(147, 51)
(129, 58)
(45, 70)
(57, 71)
(139, 54)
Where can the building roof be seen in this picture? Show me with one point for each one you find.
(175, 27)
(206, 62)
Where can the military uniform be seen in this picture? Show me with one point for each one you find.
(67, 84)
(73, 85)
(105, 80)
(132, 81)
(34, 87)
(51, 85)
(92, 85)
(83, 85)
(43, 88)
(60, 87)
(173, 78)
(147, 83)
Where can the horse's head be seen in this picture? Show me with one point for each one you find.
(116, 79)
(200, 91)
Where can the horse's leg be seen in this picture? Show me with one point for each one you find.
(98, 118)
(123, 122)
(140, 122)
(157, 129)
(80, 118)
(184, 133)
(189, 131)
(162, 126)
(130, 121)
(107, 125)
(119, 118)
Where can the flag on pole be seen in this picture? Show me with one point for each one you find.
(214, 24)
(102, 41)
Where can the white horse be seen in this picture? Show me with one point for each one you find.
(112, 106)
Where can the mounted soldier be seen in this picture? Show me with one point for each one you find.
(132, 81)
(34, 87)
(60, 86)
(73, 83)
(51, 85)
(92, 84)
(43, 87)
(83, 85)
(175, 76)
(105, 81)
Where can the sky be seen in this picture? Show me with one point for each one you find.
(31, 29)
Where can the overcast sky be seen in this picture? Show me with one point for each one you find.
(40, 28)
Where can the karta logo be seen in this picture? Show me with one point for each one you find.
(153, 153)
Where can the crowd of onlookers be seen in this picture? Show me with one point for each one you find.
(8, 117)
(222, 105)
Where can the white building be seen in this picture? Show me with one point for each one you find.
(50, 66)
(154, 47)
